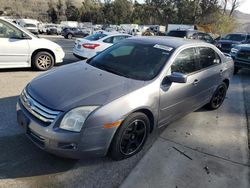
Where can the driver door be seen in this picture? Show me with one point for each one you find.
(14, 47)
(177, 99)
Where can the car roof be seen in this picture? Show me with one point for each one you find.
(174, 42)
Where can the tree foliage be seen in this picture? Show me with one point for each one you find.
(160, 12)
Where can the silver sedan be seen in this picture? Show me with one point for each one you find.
(110, 103)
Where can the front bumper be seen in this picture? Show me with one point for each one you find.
(89, 142)
(59, 55)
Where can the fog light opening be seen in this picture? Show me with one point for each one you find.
(72, 146)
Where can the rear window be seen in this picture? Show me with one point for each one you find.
(95, 37)
(180, 34)
(29, 25)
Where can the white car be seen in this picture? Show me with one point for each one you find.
(93, 44)
(20, 48)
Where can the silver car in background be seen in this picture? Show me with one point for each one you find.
(110, 103)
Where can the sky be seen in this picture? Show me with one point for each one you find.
(244, 7)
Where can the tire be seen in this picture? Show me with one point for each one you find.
(69, 36)
(218, 97)
(236, 70)
(130, 137)
(43, 61)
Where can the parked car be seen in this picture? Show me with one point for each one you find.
(110, 103)
(69, 33)
(191, 34)
(29, 24)
(20, 48)
(226, 43)
(241, 56)
(53, 29)
(93, 44)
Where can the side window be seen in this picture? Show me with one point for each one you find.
(208, 57)
(109, 40)
(208, 38)
(9, 31)
(185, 62)
(118, 38)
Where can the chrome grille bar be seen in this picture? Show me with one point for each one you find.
(39, 111)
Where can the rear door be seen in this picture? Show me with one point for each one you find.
(211, 71)
(14, 48)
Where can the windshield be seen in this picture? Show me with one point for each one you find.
(133, 60)
(95, 37)
(180, 34)
(235, 37)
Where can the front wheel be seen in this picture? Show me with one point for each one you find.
(130, 137)
(218, 97)
(43, 61)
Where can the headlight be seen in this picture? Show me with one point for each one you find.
(234, 50)
(74, 119)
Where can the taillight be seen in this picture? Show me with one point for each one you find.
(90, 46)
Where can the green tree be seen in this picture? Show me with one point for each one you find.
(52, 13)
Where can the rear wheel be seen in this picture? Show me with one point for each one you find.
(43, 61)
(130, 137)
(218, 97)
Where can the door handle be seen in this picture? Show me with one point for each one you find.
(195, 83)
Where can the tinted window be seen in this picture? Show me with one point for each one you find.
(235, 37)
(208, 57)
(185, 62)
(95, 37)
(180, 34)
(29, 25)
(133, 60)
(118, 38)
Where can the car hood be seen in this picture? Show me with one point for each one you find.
(79, 84)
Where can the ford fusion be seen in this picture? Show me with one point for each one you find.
(109, 104)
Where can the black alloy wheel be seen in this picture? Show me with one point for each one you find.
(130, 136)
(133, 137)
(218, 97)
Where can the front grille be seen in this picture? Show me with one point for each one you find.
(39, 111)
(243, 54)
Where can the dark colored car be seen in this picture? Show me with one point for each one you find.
(226, 43)
(191, 34)
(69, 33)
(241, 56)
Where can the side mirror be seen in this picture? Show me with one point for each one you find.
(177, 77)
